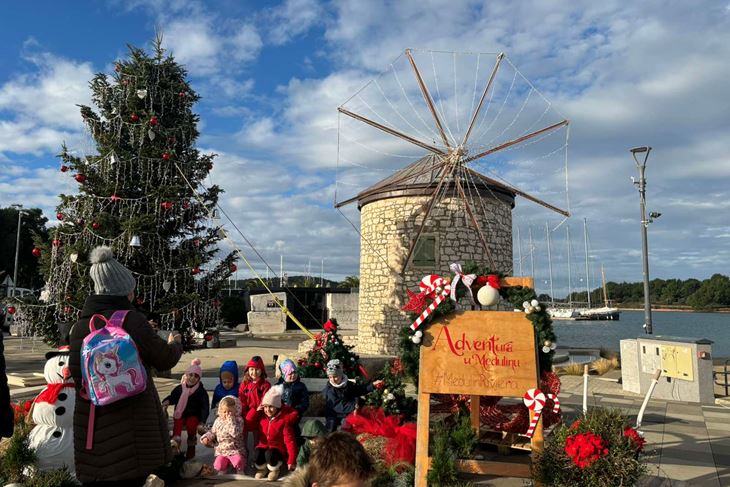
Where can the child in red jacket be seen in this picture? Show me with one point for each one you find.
(277, 444)
(254, 385)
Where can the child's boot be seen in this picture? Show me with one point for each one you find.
(260, 472)
(273, 472)
(175, 444)
(190, 454)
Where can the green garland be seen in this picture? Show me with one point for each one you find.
(515, 295)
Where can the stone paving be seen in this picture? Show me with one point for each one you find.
(689, 444)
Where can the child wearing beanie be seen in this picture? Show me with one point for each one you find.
(254, 385)
(294, 393)
(191, 406)
(341, 395)
(276, 445)
(226, 436)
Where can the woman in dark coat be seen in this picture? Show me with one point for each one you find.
(6, 412)
(131, 438)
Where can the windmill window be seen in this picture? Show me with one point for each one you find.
(426, 251)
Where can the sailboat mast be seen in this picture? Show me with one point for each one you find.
(519, 249)
(605, 289)
(550, 264)
(570, 278)
(588, 277)
(532, 253)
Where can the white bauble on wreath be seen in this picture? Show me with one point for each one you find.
(488, 296)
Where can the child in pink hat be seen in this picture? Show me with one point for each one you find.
(191, 406)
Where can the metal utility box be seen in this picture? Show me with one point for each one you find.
(686, 365)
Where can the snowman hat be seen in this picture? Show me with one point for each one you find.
(63, 346)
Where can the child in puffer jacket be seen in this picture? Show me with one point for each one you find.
(226, 436)
(277, 442)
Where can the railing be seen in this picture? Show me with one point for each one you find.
(726, 374)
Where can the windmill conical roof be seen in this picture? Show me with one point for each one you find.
(421, 177)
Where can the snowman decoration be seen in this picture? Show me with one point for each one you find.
(52, 414)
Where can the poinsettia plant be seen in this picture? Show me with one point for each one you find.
(599, 449)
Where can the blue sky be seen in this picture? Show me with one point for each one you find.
(273, 73)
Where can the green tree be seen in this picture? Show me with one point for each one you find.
(137, 189)
(351, 282)
(32, 223)
(714, 292)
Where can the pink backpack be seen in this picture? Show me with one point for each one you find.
(111, 369)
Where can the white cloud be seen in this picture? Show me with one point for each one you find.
(39, 109)
(193, 44)
(246, 43)
(293, 18)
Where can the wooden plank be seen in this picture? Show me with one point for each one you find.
(485, 353)
(474, 413)
(422, 434)
(519, 469)
(518, 281)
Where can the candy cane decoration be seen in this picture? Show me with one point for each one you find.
(556, 402)
(439, 282)
(535, 400)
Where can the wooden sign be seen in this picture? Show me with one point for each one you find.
(477, 353)
(480, 353)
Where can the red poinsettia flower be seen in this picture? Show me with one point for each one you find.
(585, 448)
(329, 326)
(397, 367)
(635, 438)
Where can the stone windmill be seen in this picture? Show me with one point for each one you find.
(441, 208)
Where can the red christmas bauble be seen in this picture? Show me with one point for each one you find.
(36, 252)
(186, 205)
(114, 197)
(80, 178)
(153, 121)
(95, 226)
(64, 168)
(196, 270)
(134, 117)
(317, 365)
(210, 167)
(166, 156)
(59, 216)
(208, 337)
(56, 242)
(182, 94)
(11, 310)
(233, 267)
(166, 205)
(67, 309)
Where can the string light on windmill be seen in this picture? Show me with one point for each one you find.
(469, 121)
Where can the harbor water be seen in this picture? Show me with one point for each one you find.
(606, 334)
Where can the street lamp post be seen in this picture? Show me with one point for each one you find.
(17, 248)
(641, 183)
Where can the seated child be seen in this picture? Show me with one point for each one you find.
(254, 385)
(191, 406)
(294, 392)
(341, 395)
(277, 443)
(313, 431)
(228, 382)
(227, 437)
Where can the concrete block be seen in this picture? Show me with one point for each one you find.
(263, 322)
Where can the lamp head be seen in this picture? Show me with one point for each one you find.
(638, 150)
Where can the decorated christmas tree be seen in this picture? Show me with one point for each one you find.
(327, 346)
(141, 193)
(391, 393)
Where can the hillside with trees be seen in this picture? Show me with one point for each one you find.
(707, 295)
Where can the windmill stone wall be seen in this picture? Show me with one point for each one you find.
(388, 225)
